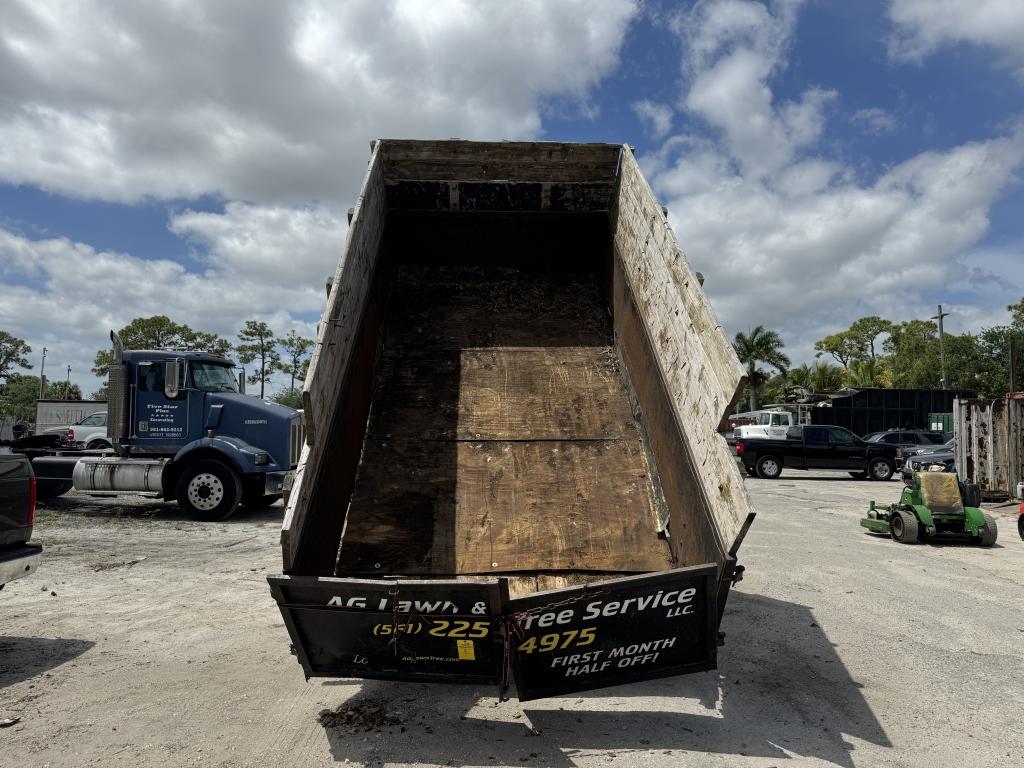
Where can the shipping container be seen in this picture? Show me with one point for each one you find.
(876, 410)
(512, 472)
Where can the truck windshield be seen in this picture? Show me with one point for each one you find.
(210, 377)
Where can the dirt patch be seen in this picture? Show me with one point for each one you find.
(365, 715)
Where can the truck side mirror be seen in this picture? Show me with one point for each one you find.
(241, 381)
(174, 378)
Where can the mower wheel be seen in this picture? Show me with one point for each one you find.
(859, 475)
(1020, 526)
(988, 536)
(904, 527)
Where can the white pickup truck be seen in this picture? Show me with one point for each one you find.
(90, 432)
(769, 424)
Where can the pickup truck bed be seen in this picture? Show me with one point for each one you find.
(501, 437)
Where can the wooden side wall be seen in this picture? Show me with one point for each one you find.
(331, 363)
(684, 371)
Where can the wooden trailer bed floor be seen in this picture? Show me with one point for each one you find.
(501, 437)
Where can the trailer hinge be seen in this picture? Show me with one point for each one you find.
(737, 574)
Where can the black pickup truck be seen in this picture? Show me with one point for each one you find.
(817, 447)
(17, 514)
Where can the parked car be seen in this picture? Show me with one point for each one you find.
(906, 440)
(817, 447)
(926, 460)
(18, 558)
(90, 432)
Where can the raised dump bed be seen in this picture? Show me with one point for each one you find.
(512, 472)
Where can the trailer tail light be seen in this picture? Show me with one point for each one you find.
(31, 501)
(740, 448)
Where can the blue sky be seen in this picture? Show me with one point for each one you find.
(820, 160)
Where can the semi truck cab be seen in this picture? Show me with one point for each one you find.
(182, 428)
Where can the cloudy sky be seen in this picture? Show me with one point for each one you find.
(821, 160)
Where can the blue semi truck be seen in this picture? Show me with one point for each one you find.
(182, 428)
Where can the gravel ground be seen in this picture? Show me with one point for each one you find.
(148, 640)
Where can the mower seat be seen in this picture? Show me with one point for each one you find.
(940, 492)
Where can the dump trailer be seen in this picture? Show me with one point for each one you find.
(512, 473)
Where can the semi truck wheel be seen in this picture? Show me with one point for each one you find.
(988, 536)
(769, 467)
(903, 527)
(209, 491)
(880, 469)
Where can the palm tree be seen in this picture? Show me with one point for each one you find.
(826, 377)
(759, 346)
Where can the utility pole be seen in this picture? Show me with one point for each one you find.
(42, 376)
(67, 382)
(942, 346)
(1014, 365)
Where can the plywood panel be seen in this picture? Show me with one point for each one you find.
(694, 359)
(503, 393)
(337, 340)
(460, 507)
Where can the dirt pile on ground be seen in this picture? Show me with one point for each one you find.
(366, 715)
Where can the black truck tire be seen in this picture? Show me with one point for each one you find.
(51, 489)
(881, 469)
(904, 527)
(209, 491)
(859, 475)
(991, 532)
(769, 467)
(752, 471)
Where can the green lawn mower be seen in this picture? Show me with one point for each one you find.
(934, 505)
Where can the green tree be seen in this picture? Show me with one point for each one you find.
(799, 376)
(913, 348)
(18, 396)
(826, 377)
(1017, 315)
(258, 343)
(843, 346)
(759, 346)
(100, 394)
(862, 374)
(160, 332)
(61, 390)
(865, 332)
(290, 397)
(295, 360)
(13, 353)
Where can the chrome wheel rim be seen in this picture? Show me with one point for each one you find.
(205, 491)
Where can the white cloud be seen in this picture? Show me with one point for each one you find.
(798, 241)
(733, 48)
(924, 26)
(875, 120)
(265, 263)
(275, 102)
(657, 118)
